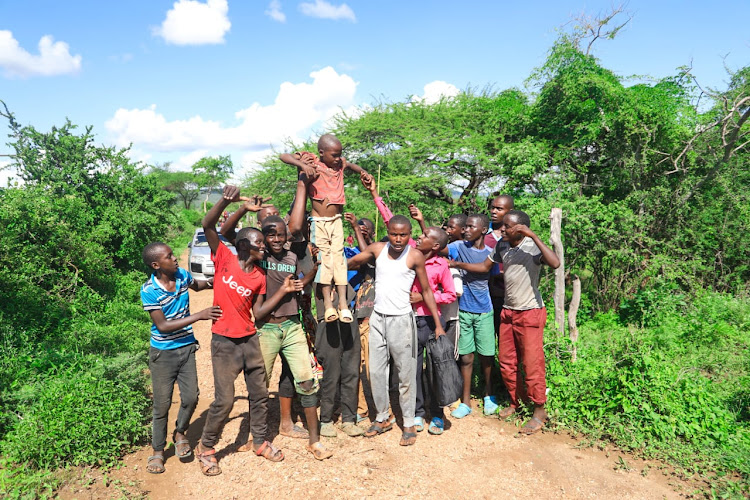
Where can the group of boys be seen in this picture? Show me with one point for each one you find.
(380, 326)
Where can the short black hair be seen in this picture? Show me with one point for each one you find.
(272, 220)
(244, 233)
(151, 252)
(367, 222)
(399, 219)
(505, 197)
(459, 218)
(440, 236)
(520, 216)
(483, 219)
(326, 141)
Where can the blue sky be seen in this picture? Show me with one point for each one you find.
(184, 79)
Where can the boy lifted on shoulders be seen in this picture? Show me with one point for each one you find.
(326, 191)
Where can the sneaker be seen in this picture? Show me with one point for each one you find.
(419, 424)
(461, 411)
(351, 429)
(328, 430)
(436, 426)
(490, 405)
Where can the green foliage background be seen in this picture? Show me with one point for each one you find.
(653, 181)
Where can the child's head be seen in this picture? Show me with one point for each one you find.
(265, 212)
(511, 219)
(159, 258)
(399, 232)
(250, 244)
(499, 206)
(368, 229)
(432, 241)
(476, 227)
(329, 151)
(454, 228)
(275, 233)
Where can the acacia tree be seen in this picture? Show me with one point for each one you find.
(183, 185)
(211, 172)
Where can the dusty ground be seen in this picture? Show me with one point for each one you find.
(477, 457)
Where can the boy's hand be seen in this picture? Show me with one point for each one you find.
(350, 218)
(415, 297)
(231, 193)
(291, 285)
(307, 165)
(415, 213)
(519, 229)
(367, 181)
(213, 312)
(439, 330)
(255, 203)
(314, 250)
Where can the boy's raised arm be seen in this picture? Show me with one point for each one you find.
(357, 169)
(549, 257)
(416, 214)
(231, 194)
(307, 168)
(252, 204)
(297, 217)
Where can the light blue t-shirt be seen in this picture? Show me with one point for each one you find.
(476, 296)
(175, 305)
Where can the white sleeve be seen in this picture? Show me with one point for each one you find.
(458, 283)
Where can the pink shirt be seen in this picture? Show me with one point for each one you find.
(438, 273)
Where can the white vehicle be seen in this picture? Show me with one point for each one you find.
(199, 256)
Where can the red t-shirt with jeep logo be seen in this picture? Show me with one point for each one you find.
(234, 292)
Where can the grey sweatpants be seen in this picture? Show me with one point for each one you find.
(393, 337)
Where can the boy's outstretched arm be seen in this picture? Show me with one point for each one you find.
(199, 285)
(297, 217)
(352, 220)
(366, 255)
(307, 168)
(231, 194)
(263, 307)
(416, 214)
(252, 204)
(165, 325)
(357, 169)
(369, 183)
(549, 257)
(479, 267)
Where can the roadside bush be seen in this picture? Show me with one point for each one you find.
(77, 417)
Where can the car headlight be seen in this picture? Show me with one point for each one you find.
(198, 258)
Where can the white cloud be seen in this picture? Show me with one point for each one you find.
(298, 107)
(54, 58)
(324, 10)
(183, 163)
(436, 90)
(274, 11)
(8, 174)
(190, 22)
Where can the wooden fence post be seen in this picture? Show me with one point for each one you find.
(559, 297)
(575, 301)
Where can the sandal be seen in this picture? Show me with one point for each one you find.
(532, 427)
(408, 438)
(376, 429)
(297, 432)
(207, 461)
(181, 447)
(270, 452)
(506, 413)
(331, 315)
(155, 464)
(319, 451)
(436, 426)
(345, 315)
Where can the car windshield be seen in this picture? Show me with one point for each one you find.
(200, 240)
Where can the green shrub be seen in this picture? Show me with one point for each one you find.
(77, 417)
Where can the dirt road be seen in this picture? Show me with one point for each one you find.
(477, 457)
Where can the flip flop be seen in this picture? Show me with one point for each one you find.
(181, 447)
(530, 428)
(331, 315)
(297, 432)
(408, 438)
(207, 461)
(319, 451)
(436, 426)
(345, 315)
(506, 413)
(155, 464)
(376, 429)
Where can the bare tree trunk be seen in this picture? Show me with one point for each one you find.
(575, 301)
(556, 239)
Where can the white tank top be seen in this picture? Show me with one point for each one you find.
(393, 281)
